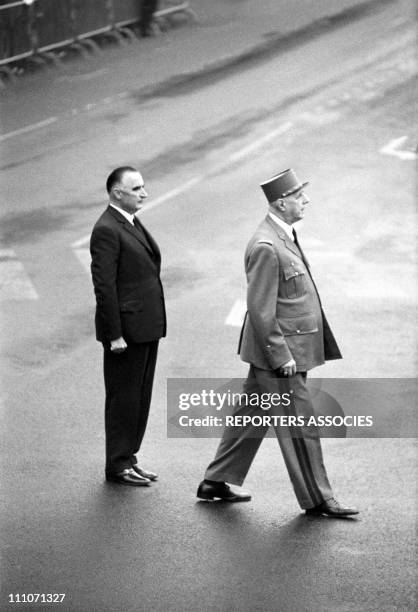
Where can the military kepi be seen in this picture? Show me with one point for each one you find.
(282, 185)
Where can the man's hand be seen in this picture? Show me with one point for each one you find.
(288, 369)
(118, 345)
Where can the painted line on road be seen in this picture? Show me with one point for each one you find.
(71, 113)
(84, 257)
(406, 68)
(28, 128)
(260, 142)
(394, 148)
(81, 243)
(173, 193)
(80, 246)
(236, 314)
(14, 281)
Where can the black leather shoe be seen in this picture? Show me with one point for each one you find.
(332, 507)
(145, 473)
(221, 490)
(128, 477)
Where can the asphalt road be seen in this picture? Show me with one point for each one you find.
(338, 108)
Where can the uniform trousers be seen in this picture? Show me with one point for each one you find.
(300, 446)
(128, 380)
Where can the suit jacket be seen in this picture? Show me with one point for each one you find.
(284, 317)
(125, 270)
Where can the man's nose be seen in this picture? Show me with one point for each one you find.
(306, 200)
(143, 193)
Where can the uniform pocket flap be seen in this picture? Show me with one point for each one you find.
(131, 306)
(298, 325)
(292, 271)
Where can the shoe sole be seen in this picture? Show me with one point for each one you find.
(331, 514)
(213, 498)
(128, 484)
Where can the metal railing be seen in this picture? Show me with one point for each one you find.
(31, 29)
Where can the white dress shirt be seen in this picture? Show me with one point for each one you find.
(127, 215)
(285, 226)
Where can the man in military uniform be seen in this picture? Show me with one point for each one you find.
(285, 334)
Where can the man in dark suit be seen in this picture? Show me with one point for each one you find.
(130, 320)
(285, 334)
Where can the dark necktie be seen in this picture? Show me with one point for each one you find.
(295, 236)
(140, 230)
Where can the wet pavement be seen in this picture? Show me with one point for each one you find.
(64, 530)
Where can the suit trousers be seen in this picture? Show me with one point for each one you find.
(300, 446)
(128, 380)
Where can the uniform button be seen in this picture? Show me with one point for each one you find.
(298, 331)
(293, 263)
(268, 346)
(296, 273)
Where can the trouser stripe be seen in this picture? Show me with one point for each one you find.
(302, 455)
(306, 469)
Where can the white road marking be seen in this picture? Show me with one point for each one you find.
(260, 142)
(14, 281)
(174, 192)
(84, 257)
(71, 113)
(28, 128)
(81, 243)
(237, 314)
(394, 148)
(390, 72)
